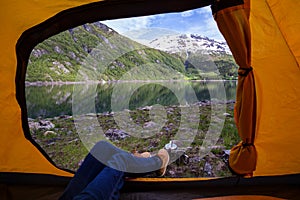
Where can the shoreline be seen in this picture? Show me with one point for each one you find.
(46, 83)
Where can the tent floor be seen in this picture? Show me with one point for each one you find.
(206, 189)
(35, 192)
(205, 192)
(175, 190)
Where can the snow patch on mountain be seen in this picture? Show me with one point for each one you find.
(188, 43)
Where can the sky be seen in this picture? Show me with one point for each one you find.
(199, 21)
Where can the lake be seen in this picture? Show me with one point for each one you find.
(55, 100)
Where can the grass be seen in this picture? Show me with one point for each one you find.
(66, 149)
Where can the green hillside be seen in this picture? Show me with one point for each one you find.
(210, 67)
(61, 57)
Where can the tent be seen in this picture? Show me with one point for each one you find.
(263, 37)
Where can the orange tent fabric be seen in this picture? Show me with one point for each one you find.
(18, 154)
(233, 22)
(275, 26)
(261, 34)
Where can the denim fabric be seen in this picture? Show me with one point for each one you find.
(118, 159)
(105, 186)
(96, 180)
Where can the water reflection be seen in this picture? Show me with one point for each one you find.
(55, 100)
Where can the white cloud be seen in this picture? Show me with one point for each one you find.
(207, 27)
(204, 25)
(129, 24)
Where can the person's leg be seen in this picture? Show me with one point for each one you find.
(105, 186)
(124, 161)
(88, 170)
(91, 172)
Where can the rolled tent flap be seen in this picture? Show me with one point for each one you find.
(232, 18)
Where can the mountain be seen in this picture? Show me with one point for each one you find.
(203, 57)
(188, 43)
(97, 52)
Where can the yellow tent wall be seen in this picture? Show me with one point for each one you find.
(234, 24)
(17, 153)
(267, 41)
(275, 26)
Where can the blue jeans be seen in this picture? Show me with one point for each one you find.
(96, 180)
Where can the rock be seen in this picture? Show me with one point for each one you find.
(47, 133)
(75, 140)
(195, 159)
(149, 124)
(116, 134)
(226, 114)
(147, 108)
(179, 171)
(51, 143)
(57, 49)
(225, 156)
(208, 169)
(64, 117)
(44, 124)
(210, 155)
(38, 52)
(227, 152)
(183, 159)
(172, 173)
(33, 125)
(220, 166)
(69, 132)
